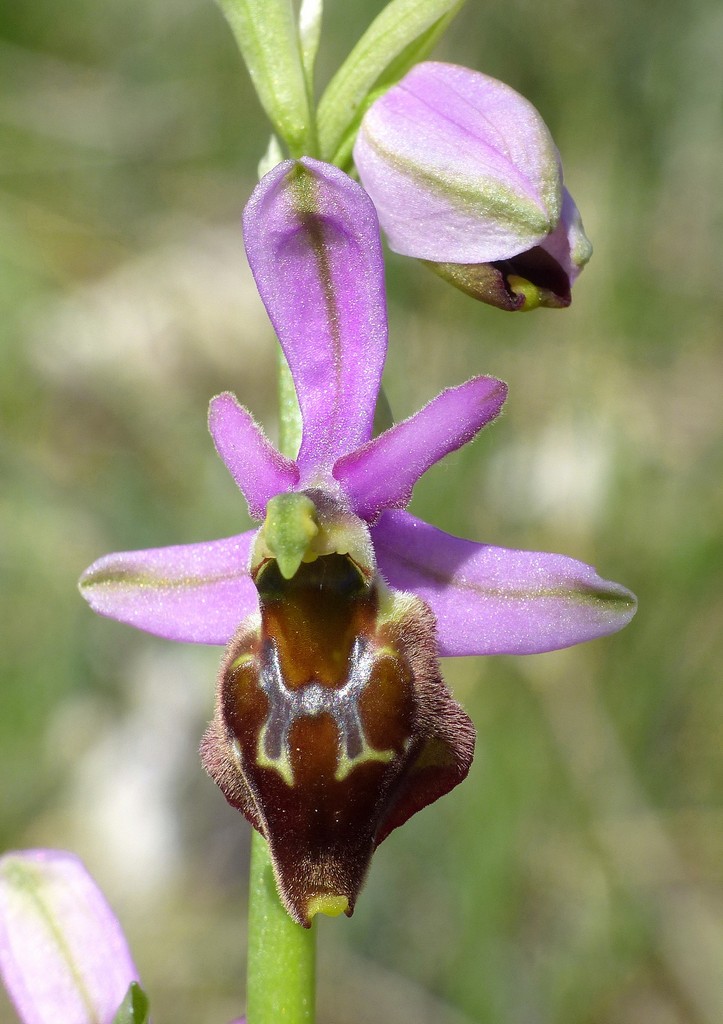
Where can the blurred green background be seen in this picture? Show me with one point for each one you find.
(576, 877)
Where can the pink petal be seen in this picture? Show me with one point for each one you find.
(490, 600)
(312, 240)
(461, 168)
(382, 473)
(568, 243)
(259, 470)
(63, 956)
(196, 593)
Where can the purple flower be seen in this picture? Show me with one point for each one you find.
(465, 175)
(332, 723)
(63, 956)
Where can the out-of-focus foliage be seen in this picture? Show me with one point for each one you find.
(575, 878)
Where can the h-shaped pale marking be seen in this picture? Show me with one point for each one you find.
(313, 699)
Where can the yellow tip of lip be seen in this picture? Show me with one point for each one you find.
(527, 290)
(327, 904)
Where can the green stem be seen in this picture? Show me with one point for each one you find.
(281, 980)
(289, 412)
(282, 954)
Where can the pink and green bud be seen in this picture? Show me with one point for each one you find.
(465, 176)
(63, 956)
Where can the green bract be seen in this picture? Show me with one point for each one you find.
(310, 14)
(268, 37)
(135, 1008)
(402, 34)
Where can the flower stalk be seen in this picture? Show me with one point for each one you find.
(281, 961)
(281, 978)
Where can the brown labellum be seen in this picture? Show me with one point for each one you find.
(530, 279)
(332, 725)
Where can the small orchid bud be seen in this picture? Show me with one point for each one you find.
(63, 956)
(465, 176)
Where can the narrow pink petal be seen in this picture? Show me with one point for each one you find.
(312, 239)
(259, 470)
(63, 956)
(196, 593)
(461, 168)
(382, 473)
(490, 600)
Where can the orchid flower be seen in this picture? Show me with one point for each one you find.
(465, 175)
(332, 723)
(63, 956)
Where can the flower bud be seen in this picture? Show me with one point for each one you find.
(63, 956)
(465, 175)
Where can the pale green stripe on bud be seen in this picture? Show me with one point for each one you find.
(483, 195)
(402, 34)
(268, 37)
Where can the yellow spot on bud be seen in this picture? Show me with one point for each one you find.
(529, 292)
(327, 904)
